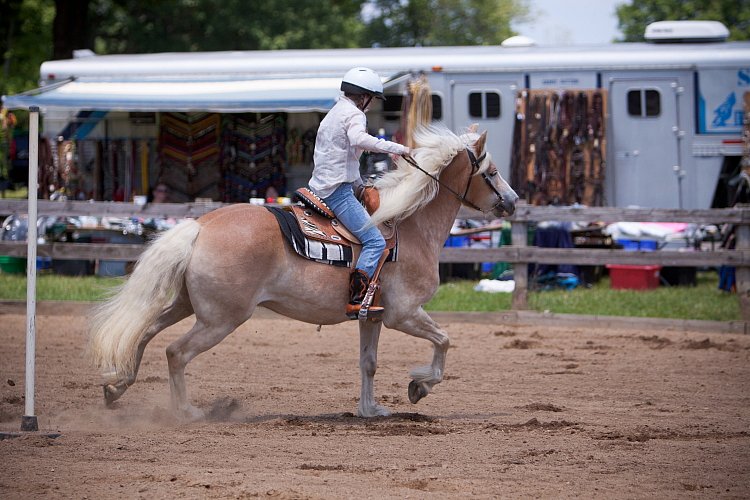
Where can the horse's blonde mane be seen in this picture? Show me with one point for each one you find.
(405, 190)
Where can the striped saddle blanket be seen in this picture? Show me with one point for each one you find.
(314, 242)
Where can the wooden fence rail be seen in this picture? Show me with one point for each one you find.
(518, 254)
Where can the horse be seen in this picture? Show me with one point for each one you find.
(225, 264)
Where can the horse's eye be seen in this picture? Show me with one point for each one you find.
(492, 173)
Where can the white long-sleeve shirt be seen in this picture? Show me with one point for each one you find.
(342, 136)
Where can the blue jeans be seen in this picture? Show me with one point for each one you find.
(354, 216)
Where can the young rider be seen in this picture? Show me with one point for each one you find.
(342, 136)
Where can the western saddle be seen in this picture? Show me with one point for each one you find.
(318, 222)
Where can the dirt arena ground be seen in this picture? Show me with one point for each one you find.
(524, 411)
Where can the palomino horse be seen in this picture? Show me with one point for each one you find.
(232, 260)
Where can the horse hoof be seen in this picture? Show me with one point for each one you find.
(111, 394)
(190, 414)
(374, 411)
(416, 392)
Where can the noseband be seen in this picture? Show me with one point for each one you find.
(475, 165)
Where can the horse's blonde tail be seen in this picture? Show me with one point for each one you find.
(119, 323)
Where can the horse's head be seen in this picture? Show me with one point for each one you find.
(494, 194)
(474, 180)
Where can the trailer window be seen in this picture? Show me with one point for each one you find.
(437, 107)
(644, 103)
(475, 104)
(484, 105)
(493, 104)
(394, 102)
(653, 103)
(634, 103)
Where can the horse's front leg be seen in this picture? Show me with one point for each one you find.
(369, 335)
(424, 378)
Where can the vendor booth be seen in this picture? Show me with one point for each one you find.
(222, 139)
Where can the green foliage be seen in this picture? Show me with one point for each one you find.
(131, 26)
(25, 42)
(442, 22)
(637, 14)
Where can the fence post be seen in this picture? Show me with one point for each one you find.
(743, 272)
(519, 238)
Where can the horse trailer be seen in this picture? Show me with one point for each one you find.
(674, 105)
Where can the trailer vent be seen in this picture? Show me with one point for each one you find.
(686, 32)
(518, 41)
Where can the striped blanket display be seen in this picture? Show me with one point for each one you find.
(325, 253)
(253, 156)
(189, 155)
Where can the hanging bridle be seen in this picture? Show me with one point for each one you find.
(475, 166)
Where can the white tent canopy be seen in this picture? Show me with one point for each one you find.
(300, 94)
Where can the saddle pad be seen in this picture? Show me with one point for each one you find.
(326, 253)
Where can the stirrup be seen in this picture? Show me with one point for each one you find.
(366, 309)
(372, 313)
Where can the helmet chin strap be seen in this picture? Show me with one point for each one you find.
(366, 102)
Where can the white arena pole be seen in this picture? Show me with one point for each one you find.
(29, 421)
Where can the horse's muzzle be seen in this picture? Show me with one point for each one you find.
(506, 206)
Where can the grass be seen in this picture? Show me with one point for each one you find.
(704, 301)
(56, 287)
(20, 193)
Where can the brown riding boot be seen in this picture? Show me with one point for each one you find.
(358, 283)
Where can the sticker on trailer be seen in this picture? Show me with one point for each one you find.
(720, 100)
(567, 80)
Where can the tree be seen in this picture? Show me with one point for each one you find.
(133, 26)
(32, 31)
(397, 23)
(71, 28)
(635, 16)
(25, 42)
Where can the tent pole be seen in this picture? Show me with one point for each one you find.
(145, 183)
(29, 421)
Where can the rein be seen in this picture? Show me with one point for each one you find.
(475, 162)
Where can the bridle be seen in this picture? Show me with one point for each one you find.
(475, 166)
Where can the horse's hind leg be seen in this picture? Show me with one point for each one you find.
(425, 377)
(200, 338)
(369, 335)
(179, 310)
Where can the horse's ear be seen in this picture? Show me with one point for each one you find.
(479, 145)
(473, 128)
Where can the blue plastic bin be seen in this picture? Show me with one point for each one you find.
(457, 241)
(635, 245)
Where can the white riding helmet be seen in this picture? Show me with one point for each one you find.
(362, 81)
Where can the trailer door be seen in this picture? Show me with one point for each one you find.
(492, 106)
(644, 130)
